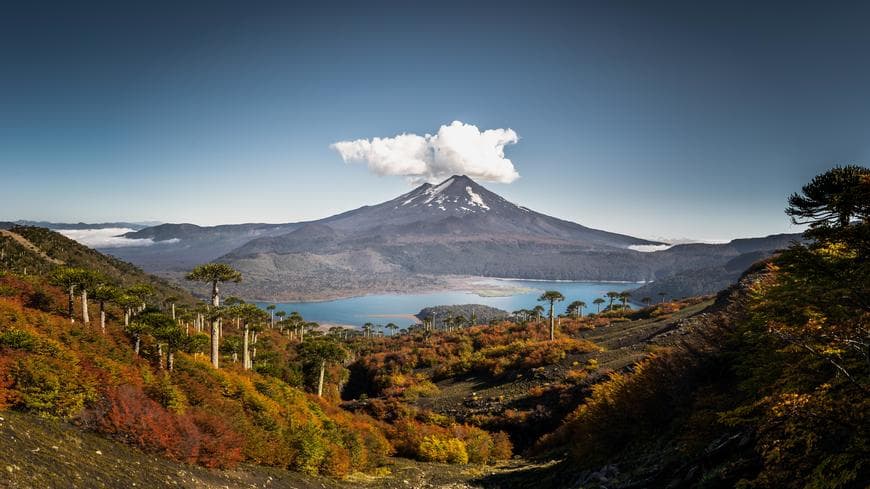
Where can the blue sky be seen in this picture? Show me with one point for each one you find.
(673, 120)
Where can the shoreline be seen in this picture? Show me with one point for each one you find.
(475, 285)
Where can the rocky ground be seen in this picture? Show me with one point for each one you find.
(39, 453)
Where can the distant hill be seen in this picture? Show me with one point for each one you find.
(482, 313)
(82, 225)
(183, 246)
(39, 251)
(714, 267)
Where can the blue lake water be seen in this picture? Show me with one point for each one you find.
(397, 308)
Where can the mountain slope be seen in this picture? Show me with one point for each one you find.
(417, 240)
(39, 251)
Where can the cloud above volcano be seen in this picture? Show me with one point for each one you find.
(456, 149)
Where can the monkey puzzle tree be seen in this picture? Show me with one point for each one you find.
(623, 297)
(612, 296)
(87, 280)
(271, 308)
(598, 301)
(537, 311)
(281, 315)
(250, 315)
(576, 308)
(214, 274)
(831, 201)
(101, 294)
(318, 353)
(142, 292)
(167, 330)
(552, 296)
(232, 345)
(68, 278)
(128, 303)
(170, 302)
(196, 343)
(392, 327)
(146, 323)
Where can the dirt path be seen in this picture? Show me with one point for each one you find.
(29, 246)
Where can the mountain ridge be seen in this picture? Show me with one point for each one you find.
(417, 240)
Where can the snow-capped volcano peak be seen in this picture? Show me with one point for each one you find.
(457, 194)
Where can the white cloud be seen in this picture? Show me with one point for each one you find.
(106, 237)
(671, 242)
(650, 248)
(457, 149)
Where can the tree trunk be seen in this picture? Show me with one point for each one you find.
(552, 323)
(173, 311)
(126, 318)
(160, 356)
(320, 381)
(102, 320)
(215, 344)
(171, 358)
(72, 291)
(246, 354)
(138, 342)
(215, 294)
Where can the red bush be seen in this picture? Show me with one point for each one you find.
(128, 414)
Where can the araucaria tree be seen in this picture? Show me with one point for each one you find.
(166, 330)
(552, 296)
(88, 280)
(215, 274)
(598, 301)
(104, 293)
(320, 352)
(68, 278)
(250, 315)
(832, 201)
(576, 308)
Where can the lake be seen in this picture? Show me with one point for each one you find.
(398, 308)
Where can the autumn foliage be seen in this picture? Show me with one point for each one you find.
(195, 414)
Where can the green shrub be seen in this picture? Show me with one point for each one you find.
(49, 387)
(18, 339)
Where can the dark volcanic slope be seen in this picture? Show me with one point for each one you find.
(457, 210)
(459, 206)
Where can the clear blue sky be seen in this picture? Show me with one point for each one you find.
(680, 120)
